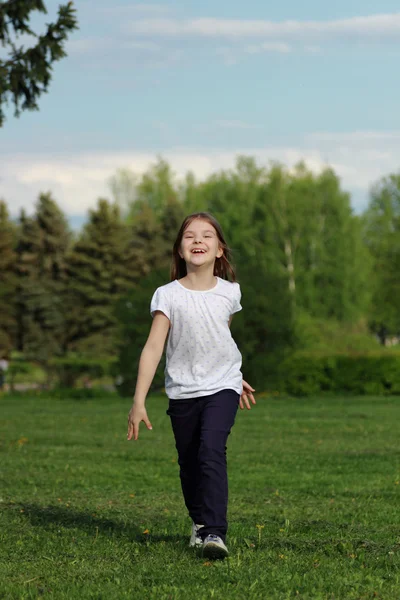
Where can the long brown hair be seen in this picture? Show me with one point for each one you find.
(222, 267)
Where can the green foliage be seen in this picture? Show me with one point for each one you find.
(155, 190)
(330, 335)
(305, 374)
(123, 189)
(42, 246)
(146, 247)
(267, 314)
(26, 73)
(135, 322)
(8, 282)
(314, 276)
(381, 231)
(97, 277)
(69, 369)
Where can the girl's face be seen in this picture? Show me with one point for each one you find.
(200, 244)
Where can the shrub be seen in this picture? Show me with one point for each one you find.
(69, 369)
(304, 374)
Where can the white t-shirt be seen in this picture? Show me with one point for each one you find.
(202, 356)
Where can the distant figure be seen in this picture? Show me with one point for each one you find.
(204, 382)
(3, 369)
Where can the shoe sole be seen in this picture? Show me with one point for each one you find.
(214, 551)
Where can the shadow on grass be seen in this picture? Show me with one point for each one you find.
(49, 516)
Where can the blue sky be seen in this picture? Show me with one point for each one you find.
(201, 82)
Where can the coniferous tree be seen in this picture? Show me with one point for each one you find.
(42, 248)
(28, 248)
(146, 246)
(8, 282)
(97, 276)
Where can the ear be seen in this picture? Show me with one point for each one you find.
(220, 252)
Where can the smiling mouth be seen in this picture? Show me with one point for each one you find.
(198, 251)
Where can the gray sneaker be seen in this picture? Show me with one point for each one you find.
(195, 539)
(214, 547)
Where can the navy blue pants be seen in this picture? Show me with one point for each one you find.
(201, 427)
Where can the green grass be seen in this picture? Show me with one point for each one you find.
(314, 503)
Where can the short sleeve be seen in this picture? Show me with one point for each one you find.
(237, 296)
(160, 301)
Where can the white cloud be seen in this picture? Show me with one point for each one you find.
(372, 26)
(134, 9)
(95, 45)
(77, 180)
(354, 136)
(268, 47)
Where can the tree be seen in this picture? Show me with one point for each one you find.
(381, 231)
(8, 281)
(236, 198)
(133, 315)
(146, 246)
(156, 189)
(97, 277)
(333, 267)
(123, 189)
(154, 214)
(43, 244)
(26, 73)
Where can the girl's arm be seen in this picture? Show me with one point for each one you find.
(149, 360)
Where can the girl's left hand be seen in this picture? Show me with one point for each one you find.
(246, 395)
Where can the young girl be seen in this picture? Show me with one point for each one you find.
(203, 380)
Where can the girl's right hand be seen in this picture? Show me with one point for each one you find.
(136, 415)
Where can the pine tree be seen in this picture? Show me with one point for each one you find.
(42, 248)
(98, 276)
(26, 72)
(8, 282)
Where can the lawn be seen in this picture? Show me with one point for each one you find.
(314, 503)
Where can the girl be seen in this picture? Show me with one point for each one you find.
(203, 380)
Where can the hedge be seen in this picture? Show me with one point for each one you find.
(369, 374)
(68, 370)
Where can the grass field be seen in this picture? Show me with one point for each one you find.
(314, 503)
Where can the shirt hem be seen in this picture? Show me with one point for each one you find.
(204, 393)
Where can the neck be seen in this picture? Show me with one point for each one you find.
(199, 280)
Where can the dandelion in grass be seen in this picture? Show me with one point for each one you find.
(146, 532)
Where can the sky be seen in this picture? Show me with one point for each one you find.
(201, 82)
